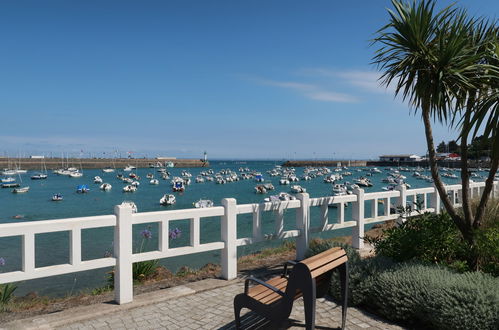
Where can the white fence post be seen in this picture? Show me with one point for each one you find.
(358, 216)
(435, 200)
(229, 236)
(402, 202)
(123, 243)
(303, 225)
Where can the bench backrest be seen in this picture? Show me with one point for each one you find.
(325, 261)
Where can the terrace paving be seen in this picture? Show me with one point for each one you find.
(205, 304)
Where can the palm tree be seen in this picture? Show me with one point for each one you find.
(437, 61)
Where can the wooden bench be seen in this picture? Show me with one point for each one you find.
(309, 278)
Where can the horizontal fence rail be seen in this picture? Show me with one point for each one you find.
(123, 220)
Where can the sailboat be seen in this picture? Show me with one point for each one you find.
(20, 190)
(42, 174)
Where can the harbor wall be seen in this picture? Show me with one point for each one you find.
(327, 163)
(92, 163)
(376, 163)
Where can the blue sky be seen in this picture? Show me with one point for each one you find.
(239, 79)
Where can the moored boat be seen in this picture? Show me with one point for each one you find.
(57, 198)
(167, 199)
(203, 203)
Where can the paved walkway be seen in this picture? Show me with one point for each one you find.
(201, 305)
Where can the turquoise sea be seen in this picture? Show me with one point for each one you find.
(53, 248)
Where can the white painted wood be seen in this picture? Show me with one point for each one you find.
(341, 213)
(123, 277)
(180, 251)
(54, 270)
(28, 249)
(229, 236)
(435, 200)
(358, 217)
(257, 223)
(75, 247)
(195, 231)
(50, 226)
(163, 235)
(303, 224)
(324, 215)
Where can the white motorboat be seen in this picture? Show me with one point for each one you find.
(298, 189)
(203, 203)
(154, 181)
(98, 179)
(259, 177)
(167, 199)
(199, 179)
(129, 188)
(150, 176)
(8, 180)
(105, 187)
(129, 168)
(132, 205)
(57, 197)
(39, 176)
(82, 189)
(363, 182)
(260, 189)
(283, 196)
(135, 183)
(76, 174)
(283, 181)
(340, 189)
(108, 170)
(178, 185)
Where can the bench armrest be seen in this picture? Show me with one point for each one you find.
(254, 279)
(289, 262)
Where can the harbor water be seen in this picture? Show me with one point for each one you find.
(53, 248)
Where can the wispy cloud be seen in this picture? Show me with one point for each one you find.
(366, 80)
(311, 91)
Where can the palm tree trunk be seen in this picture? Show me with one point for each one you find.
(465, 178)
(461, 225)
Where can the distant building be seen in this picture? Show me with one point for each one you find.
(163, 158)
(399, 158)
(36, 157)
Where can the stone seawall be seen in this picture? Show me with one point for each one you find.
(327, 163)
(89, 163)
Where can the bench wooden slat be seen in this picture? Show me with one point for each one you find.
(325, 258)
(324, 269)
(320, 255)
(276, 281)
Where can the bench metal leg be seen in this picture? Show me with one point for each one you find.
(309, 297)
(343, 269)
(237, 313)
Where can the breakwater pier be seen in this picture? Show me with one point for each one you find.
(326, 163)
(95, 163)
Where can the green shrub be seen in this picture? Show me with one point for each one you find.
(487, 238)
(434, 297)
(424, 295)
(429, 238)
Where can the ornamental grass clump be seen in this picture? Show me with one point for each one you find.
(6, 290)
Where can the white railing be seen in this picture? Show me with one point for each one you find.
(124, 219)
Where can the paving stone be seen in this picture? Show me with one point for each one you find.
(213, 309)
